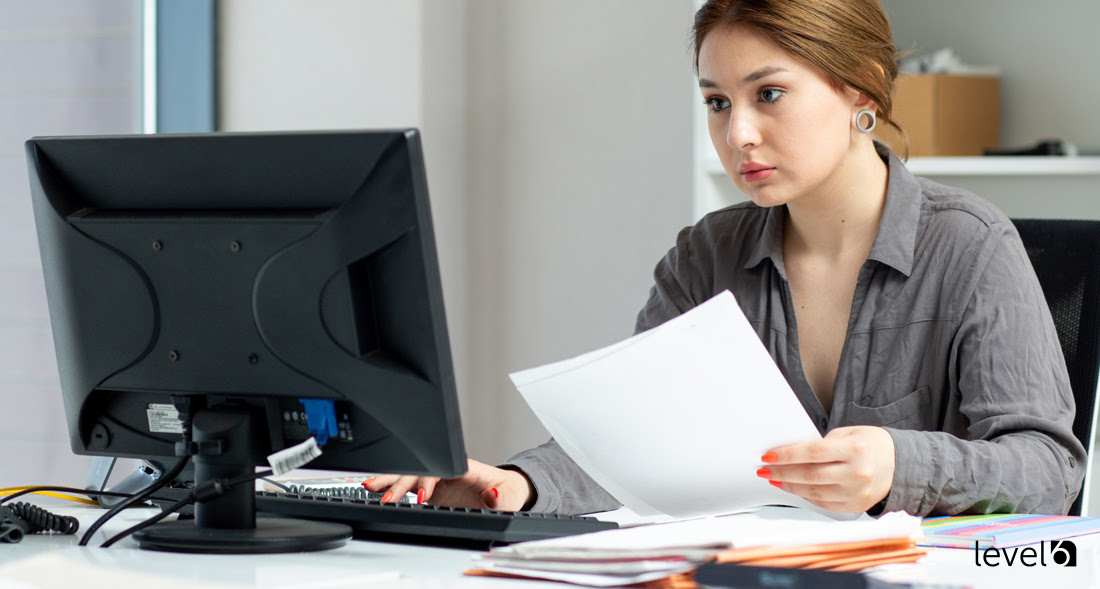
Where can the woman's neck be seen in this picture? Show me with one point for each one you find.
(842, 217)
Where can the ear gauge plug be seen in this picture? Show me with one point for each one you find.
(871, 118)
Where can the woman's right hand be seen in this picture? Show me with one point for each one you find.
(482, 487)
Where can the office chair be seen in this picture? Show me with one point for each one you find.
(1066, 257)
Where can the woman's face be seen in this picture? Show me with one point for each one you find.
(779, 126)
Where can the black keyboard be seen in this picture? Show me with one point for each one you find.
(425, 523)
(370, 519)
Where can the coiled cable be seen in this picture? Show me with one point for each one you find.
(20, 519)
(41, 520)
(12, 529)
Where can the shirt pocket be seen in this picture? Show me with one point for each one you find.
(909, 412)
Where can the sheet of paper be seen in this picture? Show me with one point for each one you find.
(674, 420)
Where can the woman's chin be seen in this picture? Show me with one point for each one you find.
(766, 198)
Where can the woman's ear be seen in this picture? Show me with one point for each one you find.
(864, 102)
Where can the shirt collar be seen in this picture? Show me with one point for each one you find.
(896, 240)
(897, 233)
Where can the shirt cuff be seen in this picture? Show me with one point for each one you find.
(913, 466)
(547, 498)
(527, 505)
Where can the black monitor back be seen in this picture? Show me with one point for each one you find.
(252, 270)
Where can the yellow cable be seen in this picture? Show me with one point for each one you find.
(12, 490)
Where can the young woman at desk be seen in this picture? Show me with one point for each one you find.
(904, 314)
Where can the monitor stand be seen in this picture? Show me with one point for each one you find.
(228, 523)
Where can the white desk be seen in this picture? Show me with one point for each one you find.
(374, 564)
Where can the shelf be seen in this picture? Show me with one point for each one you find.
(983, 166)
(1005, 166)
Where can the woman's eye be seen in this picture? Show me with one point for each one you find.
(770, 95)
(717, 104)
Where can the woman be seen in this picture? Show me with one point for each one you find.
(903, 313)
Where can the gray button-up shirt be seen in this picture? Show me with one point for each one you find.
(950, 347)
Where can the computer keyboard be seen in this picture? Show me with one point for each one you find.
(371, 519)
(425, 523)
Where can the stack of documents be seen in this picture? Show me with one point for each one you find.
(660, 551)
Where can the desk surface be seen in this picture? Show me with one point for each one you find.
(57, 562)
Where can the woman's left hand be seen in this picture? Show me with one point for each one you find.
(849, 470)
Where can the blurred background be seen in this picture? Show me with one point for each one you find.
(563, 143)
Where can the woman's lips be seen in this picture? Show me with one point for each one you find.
(755, 172)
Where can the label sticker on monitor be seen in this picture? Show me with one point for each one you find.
(164, 419)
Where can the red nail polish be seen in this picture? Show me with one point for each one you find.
(420, 495)
(386, 498)
(368, 481)
(769, 458)
(776, 484)
(496, 493)
(764, 473)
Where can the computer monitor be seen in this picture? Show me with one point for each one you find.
(274, 286)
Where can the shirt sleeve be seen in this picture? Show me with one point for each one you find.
(670, 295)
(1008, 370)
(560, 485)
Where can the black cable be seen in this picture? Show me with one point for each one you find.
(144, 494)
(20, 519)
(276, 483)
(202, 492)
(156, 518)
(251, 477)
(12, 528)
(40, 520)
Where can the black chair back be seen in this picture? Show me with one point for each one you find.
(1066, 258)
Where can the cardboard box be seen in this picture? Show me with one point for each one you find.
(945, 115)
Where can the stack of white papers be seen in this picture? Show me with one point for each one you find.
(639, 554)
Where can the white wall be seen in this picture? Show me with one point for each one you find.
(75, 74)
(558, 146)
(1049, 86)
(587, 179)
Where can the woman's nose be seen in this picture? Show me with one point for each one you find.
(742, 133)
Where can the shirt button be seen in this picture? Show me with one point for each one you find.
(1072, 462)
(824, 422)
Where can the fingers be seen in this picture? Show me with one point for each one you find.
(815, 493)
(849, 470)
(397, 491)
(491, 498)
(808, 474)
(481, 487)
(427, 488)
(378, 483)
(817, 451)
(394, 487)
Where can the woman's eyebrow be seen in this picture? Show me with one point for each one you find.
(757, 75)
(762, 73)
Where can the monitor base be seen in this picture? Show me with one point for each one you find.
(270, 536)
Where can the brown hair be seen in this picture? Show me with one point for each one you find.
(849, 40)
